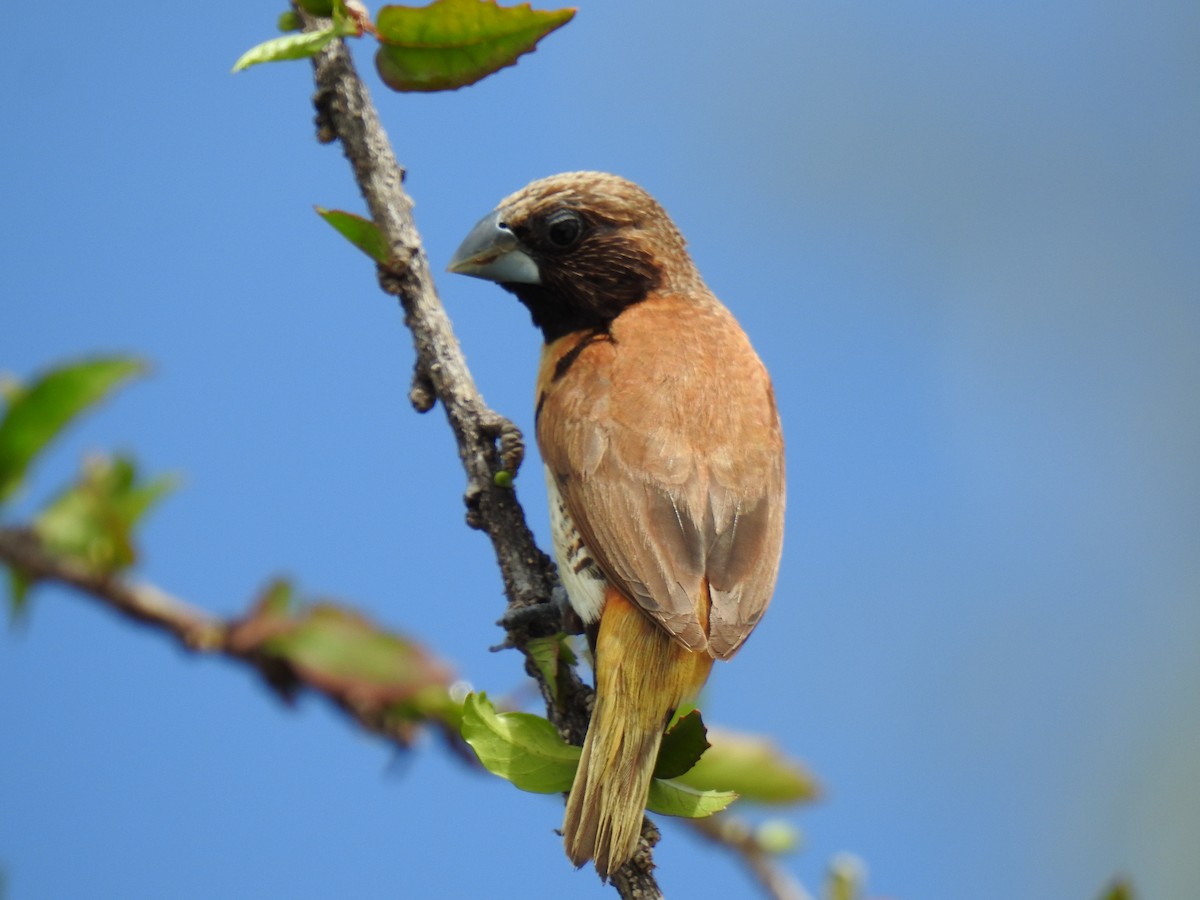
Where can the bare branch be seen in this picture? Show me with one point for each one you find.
(487, 442)
(344, 112)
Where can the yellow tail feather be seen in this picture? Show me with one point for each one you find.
(642, 675)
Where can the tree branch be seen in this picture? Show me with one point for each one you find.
(487, 442)
(199, 632)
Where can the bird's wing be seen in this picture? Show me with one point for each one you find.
(665, 447)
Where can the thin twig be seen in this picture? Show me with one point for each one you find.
(734, 834)
(199, 632)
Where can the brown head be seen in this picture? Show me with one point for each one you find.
(577, 249)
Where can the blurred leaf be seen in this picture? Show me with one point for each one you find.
(431, 703)
(777, 836)
(519, 747)
(673, 798)
(452, 43)
(754, 768)
(339, 651)
(38, 412)
(682, 746)
(92, 521)
(847, 878)
(362, 233)
(278, 598)
(18, 587)
(322, 8)
(1120, 889)
(383, 676)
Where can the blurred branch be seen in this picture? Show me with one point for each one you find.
(22, 549)
(199, 632)
(488, 444)
(736, 835)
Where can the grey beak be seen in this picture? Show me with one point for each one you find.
(493, 252)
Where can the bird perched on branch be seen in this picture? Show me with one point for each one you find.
(657, 425)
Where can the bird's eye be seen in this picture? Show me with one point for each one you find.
(564, 229)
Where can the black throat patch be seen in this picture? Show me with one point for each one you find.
(584, 290)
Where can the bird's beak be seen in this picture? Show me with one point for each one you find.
(493, 252)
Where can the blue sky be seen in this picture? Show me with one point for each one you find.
(962, 238)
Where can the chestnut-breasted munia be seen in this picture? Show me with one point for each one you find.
(663, 455)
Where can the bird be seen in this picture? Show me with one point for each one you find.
(660, 438)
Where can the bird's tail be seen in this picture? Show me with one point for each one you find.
(642, 675)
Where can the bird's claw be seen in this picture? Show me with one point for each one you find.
(510, 443)
(534, 619)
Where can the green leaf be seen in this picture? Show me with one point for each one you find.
(317, 7)
(288, 21)
(362, 233)
(522, 748)
(37, 413)
(452, 43)
(754, 768)
(93, 520)
(682, 746)
(547, 652)
(673, 798)
(528, 751)
(289, 46)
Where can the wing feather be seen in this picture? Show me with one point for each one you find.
(665, 446)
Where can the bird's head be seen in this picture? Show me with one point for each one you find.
(577, 249)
